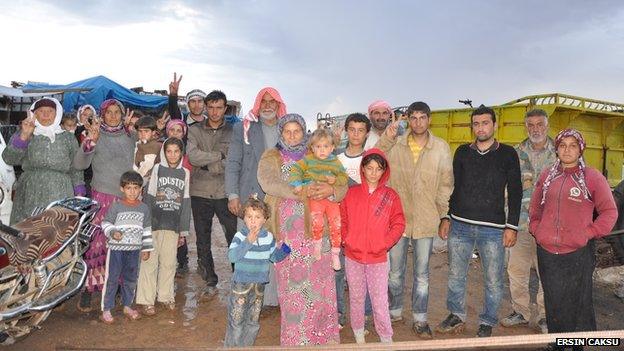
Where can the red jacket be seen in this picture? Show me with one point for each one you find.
(564, 223)
(371, 223)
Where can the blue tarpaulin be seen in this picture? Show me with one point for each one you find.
(98, 89)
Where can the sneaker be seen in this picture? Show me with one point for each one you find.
(359, 337)
(484, 331)
(395, 319)
(210, 291)
(182, 269)
(514, 319)
(84, 304)
(542, 326)
(452, 324)
(422, 330)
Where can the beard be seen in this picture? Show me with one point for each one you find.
(537, 139)
(268, 115)
(485, 137)
(380, 124)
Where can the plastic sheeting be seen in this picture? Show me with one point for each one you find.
(95, 90)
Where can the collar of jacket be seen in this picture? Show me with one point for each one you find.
(206, 126)
(526, 145)
(403, 139)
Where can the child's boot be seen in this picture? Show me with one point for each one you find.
(317, 249)
(335, 252)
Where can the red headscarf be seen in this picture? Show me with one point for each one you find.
(253, 114)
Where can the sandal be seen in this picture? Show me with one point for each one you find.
(107, 317)
(149, 310)
(131, 314)
(169, 305)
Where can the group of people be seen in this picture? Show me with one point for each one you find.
(302, 217)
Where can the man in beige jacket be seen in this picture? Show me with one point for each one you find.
(422, 174)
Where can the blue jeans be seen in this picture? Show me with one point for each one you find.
(396, 278)
(244, 305)
(340, 293)
(461, 242)
(124, 265)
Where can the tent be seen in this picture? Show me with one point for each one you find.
(94, 90)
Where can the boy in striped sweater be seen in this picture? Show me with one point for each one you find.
(128, 228)
(321, 165)
(252, 250)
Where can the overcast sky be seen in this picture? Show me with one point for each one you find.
(325, 56)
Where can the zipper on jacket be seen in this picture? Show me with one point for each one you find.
(557, 239)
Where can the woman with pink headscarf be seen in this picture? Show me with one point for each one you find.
(561, 217)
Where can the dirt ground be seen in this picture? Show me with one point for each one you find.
(201, 323)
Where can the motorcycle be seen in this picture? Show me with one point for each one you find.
(41, 263)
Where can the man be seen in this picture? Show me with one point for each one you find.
(422, 173)
(483, 170)
(357, 127)
(207, 148)
(194, 101)
(380, 114)
(250, 139)
(535, 153)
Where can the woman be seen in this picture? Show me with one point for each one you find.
(109, 149)
(561, 219)
(45, 151)
(306, 286)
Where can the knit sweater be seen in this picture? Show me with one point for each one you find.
(310, 169)
(112, 156)
(134, 223)
(251, 260)
(481, 179)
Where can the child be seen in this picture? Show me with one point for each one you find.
(176, 128)
(69, 122)
(147, 150)
(253, 248)
(372, 222)
(170, 203)
(127, 226)
(322, 166)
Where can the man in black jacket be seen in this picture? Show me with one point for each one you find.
(483, 171)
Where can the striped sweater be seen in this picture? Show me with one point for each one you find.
(135, 224)
(310, 169)
(251, 260)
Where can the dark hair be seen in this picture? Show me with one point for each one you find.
(418, 106)
(358, 118)
(483, 110)
(174, 141)
(69, 117)
(216, 95)
(146, 122)
(257, 205)
(377, 158)
(131, 178)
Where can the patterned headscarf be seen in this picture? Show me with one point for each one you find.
(254, 113)
(174, 122)
(281, 143)
(377, 104)
(103, 107)
(556, 169)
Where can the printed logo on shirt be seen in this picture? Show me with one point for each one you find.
(574, 194)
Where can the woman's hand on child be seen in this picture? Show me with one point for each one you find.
(318, 191)
(297, 190)
(145, 255)
(117, 235)
(331, 180)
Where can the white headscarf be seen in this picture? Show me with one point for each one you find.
(54, 128)
(85, 107)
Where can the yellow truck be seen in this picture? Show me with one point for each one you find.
(601, 122)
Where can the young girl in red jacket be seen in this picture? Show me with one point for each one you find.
(372, 222)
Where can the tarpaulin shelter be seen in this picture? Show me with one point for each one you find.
(94, 90)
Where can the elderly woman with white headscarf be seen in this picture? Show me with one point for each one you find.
(45, 151)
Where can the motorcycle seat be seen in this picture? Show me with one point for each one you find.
(42, 233)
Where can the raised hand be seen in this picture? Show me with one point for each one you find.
(161, 123)
(175, 84)
(28, 128)
(130, 120)
(93, 130)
